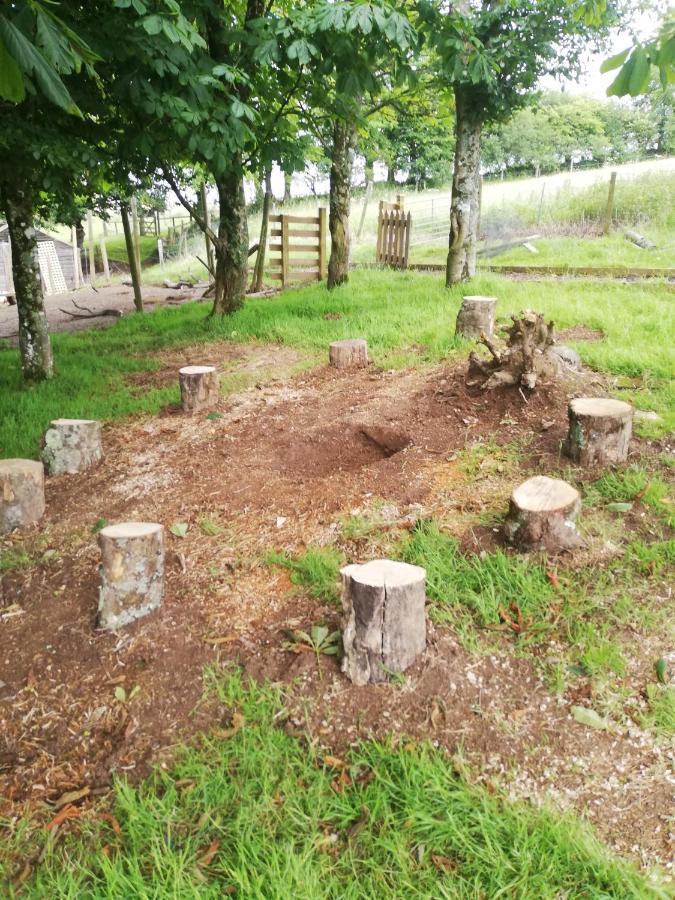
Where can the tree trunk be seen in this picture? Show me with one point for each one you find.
(340, 197)
(131, 256)
(37, 363)
(262, 242)
(232, 247)
(465, 204)
(288, 179)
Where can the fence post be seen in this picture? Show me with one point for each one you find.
(607, 222)
(92, 248)
(104, 259)
(284, 250)
(322, 243)
(160, 252)
(76, 258)
(408, 229)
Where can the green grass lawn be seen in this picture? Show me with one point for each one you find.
(253, 814)
(398, 313)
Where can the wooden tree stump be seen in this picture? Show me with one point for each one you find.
(132, 572)
(72, 445)
(199, 387)
(476, 316)
(599, 430)
(22, 493)
(349, 354)
(385, 626)
(542, 515)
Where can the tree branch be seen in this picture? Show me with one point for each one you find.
(208, 231)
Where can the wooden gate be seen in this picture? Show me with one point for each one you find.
(393, 235)
(298, 248)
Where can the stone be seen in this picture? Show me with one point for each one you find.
(199, 387)
(568, 355)
(22, 493)
(476, 316)
(384, 620)
(599, 431)
(72, 445)
(348, 354)
(542, 515)
(131, 572)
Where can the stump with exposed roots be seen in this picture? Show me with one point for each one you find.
(385, 626)
(22, 493)
(199, 388)
(527, 358)
(72, 445)
(542, 516)
(599, 431)
(476, 317)
(132, 572)
(348, 354)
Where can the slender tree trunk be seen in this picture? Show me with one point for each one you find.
(262, 242)
(344, 136)
(288, 180)
(232, 247)
(131, 256)
(37, 363)
(465, 204)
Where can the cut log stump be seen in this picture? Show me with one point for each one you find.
(199, 387)
(599, 431)
(72, 445)
(22, 493)
(349, 354)
(542, 515)
(132, 572)
(385, 626)
(476, 316)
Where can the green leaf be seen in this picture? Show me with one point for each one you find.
(180, 529)
(589, 717)
(615, 61)
(98, 525)
(120, 694)
(620, 507)
(639, 78)
(152, 24)
(319, 634)
(12, 87)
(661, 669)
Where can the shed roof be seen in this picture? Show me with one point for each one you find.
(40, 234)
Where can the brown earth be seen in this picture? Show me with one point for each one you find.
(278, 467)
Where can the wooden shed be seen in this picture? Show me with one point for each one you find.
(55, 257)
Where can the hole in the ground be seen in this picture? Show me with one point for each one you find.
(342, 448)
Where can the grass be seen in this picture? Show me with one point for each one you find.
(253, 814)
(398, 313)
(660, 716)
(316, 570)
(632, 484)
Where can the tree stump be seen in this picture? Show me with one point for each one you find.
(22, 493)
(132, 572)
(349, 354)
(199, 387)
(599, 430)
(385, 626)
(476, 316)
(542, 515)
(72, 445)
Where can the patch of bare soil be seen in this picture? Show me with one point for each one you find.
(281, 462)
(580, 333)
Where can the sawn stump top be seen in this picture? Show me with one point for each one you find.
(385, 573)
(196, 370)
(130, 530)
(600, 406)
(544, 494)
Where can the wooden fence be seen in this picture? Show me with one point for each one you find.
(393, 235)
(298, 248)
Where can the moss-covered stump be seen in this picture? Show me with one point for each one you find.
(542, 516)
(132, 572)
(385, 625)
(72, 445)
(599, 432)
(476, 316)
(22, 493)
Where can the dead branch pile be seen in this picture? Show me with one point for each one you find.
(529, 355)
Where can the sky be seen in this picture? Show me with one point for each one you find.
(593, 82)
